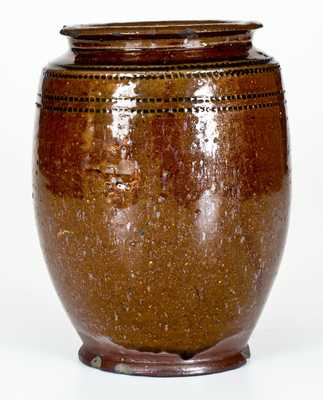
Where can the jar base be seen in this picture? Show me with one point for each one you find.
(157, 368)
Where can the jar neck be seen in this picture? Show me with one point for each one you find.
(159, 43)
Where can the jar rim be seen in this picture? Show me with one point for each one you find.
(183, 29)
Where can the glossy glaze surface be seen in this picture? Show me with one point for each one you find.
(162, 194)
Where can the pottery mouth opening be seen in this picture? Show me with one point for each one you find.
(166, 41)
(163, 29)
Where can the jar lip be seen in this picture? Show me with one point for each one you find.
(183, 29)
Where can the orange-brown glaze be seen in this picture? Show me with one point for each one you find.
(162, 199)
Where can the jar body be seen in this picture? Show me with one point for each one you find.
(162, 196)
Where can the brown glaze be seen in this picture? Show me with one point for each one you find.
(162, 191)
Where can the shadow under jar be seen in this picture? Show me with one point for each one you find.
(161, 186)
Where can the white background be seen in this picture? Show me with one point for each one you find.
(38, 346)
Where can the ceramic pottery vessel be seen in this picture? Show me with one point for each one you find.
(161, 186)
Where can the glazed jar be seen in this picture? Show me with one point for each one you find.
(161, 186)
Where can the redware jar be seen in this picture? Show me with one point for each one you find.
(161, 185)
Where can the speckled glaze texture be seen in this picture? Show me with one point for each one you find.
(161, 187)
